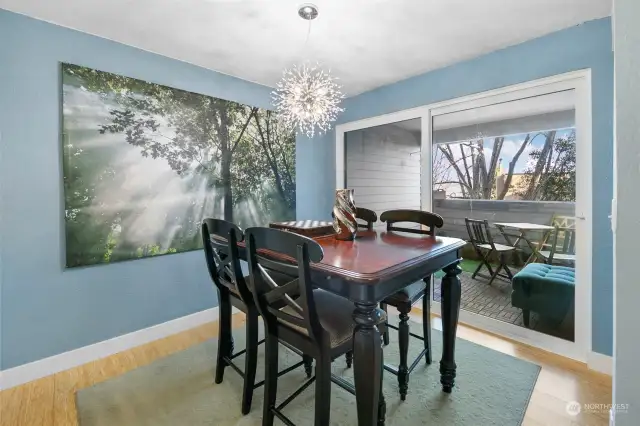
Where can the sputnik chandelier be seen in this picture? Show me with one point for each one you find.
(307, 98)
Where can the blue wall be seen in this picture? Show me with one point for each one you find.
(584, 46)
(45, 309)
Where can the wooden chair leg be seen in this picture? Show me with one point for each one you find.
(495, 274)
(403, 337)
(271, 379)
(484, 261)
(251, 360)
(385, 332)
(308, 364)
(507, 270)
(323, 391)
(480, 265)
(225, 339)
(525, 317)
(426, 320)
(349, 357)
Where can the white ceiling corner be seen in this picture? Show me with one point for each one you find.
(366, 43)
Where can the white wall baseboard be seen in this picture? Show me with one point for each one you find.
(600, 363)
(64, 361)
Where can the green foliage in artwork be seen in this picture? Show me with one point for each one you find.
(217, 158)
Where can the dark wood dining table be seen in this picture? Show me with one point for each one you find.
(375, 265)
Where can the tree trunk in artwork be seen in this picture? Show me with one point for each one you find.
(225, 174)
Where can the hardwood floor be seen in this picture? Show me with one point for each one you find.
(50, 401)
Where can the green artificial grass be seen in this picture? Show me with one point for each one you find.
(467, 265)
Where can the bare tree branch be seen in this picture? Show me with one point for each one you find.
(542, 159)
(512, 166)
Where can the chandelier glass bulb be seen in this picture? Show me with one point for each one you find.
(307, 98)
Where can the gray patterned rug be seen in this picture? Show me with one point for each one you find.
(491, 389)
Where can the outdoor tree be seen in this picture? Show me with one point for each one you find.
(551, 172)
(468, 163)
(550, 176)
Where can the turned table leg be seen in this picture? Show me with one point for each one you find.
(451, 289)
(367, 364)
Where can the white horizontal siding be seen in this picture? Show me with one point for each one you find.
(375, 174)
(383, 168)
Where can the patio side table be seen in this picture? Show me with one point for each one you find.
(522, 229)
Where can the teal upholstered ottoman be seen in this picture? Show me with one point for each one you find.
(548, 290)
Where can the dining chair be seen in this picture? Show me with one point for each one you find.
(317, 322)
(560, 221)
(220, 241)
(482, 241)
(363, 214)
(404, 300)
(562, 248)
(368, 216)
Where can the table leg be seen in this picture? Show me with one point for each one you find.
(504, 235)
(534, 249)
(451, 289)
(367, 364)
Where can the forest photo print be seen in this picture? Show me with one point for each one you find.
(143, 164)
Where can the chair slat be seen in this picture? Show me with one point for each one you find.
(288, 318)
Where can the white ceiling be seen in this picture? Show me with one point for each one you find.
(366, 43)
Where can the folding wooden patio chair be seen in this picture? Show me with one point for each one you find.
(482, 242)
(557, 221)
(562, 248)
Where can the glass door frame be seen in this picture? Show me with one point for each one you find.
(580, 82)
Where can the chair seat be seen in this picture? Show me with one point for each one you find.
(499, 247)
(566, 257)
(409, 294)
(335, 314)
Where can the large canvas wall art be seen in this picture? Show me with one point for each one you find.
(145, 163)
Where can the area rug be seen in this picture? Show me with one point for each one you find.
(492, 388)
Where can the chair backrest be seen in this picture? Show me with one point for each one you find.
(559, 221)
(563, 242)
(563, 221)
(420, 217)
(368, 216)
(287, 254)
(220, 241)
(479, 232)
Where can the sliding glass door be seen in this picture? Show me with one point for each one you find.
(510, 172)
(504, 176)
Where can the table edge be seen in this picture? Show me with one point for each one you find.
(391, 270)
(510, 225)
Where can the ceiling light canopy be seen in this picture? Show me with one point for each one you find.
(308, 11)
(307, 98)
